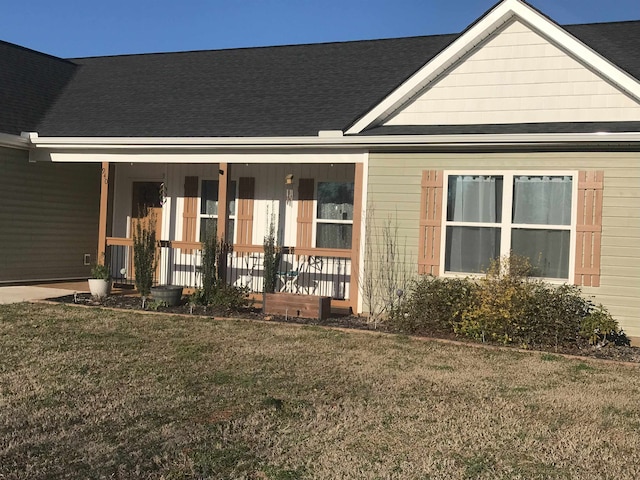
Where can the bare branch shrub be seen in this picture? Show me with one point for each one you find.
(388, 268)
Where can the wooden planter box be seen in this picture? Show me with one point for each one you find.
(296, 305)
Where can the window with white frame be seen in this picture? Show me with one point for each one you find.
(489, 215)
(334, 215)
(208, 216)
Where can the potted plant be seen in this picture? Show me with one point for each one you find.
(100, 281)
(169, 295)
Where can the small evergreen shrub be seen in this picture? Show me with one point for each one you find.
(434, 305)
(100, 271)
(211, 248)
(271, 262)
(144, 253)
(498, 303)
(215, 292)
(600, 327)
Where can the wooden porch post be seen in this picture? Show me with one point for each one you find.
(358, 189)
(102, 222)
(223, 189)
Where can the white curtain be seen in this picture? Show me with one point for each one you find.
(543, 200)
(474, 198)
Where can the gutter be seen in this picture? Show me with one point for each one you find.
(328, 141)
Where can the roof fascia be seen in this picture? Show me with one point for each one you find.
(478, 32)
(301, 144)
(14, 141)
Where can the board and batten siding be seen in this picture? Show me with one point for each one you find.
(48, 218)
(517, 76)
(394, 191)
(269, 194)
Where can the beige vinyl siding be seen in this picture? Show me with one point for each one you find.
(518, 76)
(48, 218)
(394, 190)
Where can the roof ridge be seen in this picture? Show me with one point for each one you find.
(296, 45)
(264, 47)
(599, 23)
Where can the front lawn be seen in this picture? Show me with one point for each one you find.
(89, 393)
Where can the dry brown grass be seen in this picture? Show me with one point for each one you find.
(88, 393)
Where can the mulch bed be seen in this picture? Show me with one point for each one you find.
(134, 303)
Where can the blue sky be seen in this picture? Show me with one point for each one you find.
(78, 28)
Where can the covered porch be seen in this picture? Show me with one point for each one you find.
(315, 208)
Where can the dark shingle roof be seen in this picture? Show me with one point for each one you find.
(617, 41)
(30, 82)
(267, 91)
(272, 91)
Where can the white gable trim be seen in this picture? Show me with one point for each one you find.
(477, 33)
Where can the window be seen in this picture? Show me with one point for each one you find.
(487, 216)
(334, 216)
(209, 208)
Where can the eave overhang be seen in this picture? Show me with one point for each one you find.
(14, 141)
(368, 141)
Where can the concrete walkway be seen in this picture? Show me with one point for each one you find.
(28, 293)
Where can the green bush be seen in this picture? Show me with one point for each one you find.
(226, 297)
(506, 306)
(600, 327)
(144, 253)
(271, 263)
(497, 304)
(211, 250)
(215, 292)
(434, 305)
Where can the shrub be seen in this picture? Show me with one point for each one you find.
(227, 297)
(271, 262)
(507, 306)
(211, 248)
(552, 315)
(144, 253)
(434, 305)
(214, 291)
(498, 302)
(100, 271)
(599, 327)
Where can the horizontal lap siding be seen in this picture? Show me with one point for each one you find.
(394, 190)
(517, 76)
(48, 218)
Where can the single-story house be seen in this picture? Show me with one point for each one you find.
(517, 134)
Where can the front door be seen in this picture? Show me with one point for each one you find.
(147, 199)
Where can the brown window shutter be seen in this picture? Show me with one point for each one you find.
(589, 228)
(305, 213)
(244, 217)
(430, 222)
(190, 209)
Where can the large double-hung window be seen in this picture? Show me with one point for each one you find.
(490, 215)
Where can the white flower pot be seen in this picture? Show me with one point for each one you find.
(99, 288)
